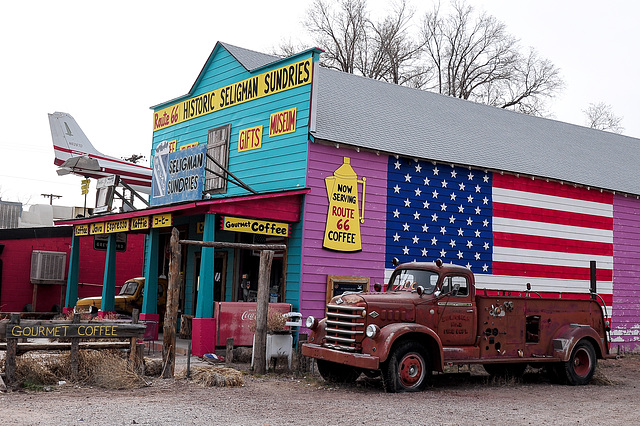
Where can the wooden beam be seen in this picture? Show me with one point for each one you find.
(171, 315)
(260, 346)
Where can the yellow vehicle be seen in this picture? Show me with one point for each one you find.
(129, 298)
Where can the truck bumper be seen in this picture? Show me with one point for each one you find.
(356, 360)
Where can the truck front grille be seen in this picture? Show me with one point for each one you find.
(345, 327)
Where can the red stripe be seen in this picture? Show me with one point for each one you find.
(557, 189)
(532, 242)
(513, 211)
(548, 271)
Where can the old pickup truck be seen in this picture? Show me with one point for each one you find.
(129, 298)
(431, 315)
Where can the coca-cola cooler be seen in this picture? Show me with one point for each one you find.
(235, 318)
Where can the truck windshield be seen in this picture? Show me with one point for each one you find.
(410, 279)
(128, 288)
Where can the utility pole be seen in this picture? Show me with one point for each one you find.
(51, 197)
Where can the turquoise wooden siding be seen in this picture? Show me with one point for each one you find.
(280, 164)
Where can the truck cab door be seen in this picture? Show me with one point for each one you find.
(456, 312)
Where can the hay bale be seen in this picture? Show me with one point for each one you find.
(152, 367)
(216, 376)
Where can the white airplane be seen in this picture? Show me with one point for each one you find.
(75, 154)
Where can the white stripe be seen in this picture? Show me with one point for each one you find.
(532, 199)
(511, 283)
(554, 258)
(543, 229)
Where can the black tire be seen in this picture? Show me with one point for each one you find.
(337, 373)
(505, 370)
(408, 368)
(582, 364)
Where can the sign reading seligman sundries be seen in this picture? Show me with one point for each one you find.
(184, 177)
(261, 85)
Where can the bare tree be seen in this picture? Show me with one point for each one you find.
(600, 116)
(475, 58)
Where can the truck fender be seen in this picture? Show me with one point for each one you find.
(569, 335)
(382, 344)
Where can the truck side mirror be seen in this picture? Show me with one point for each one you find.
(395, 261)
(377, 287)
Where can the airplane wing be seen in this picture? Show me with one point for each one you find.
(75, 154)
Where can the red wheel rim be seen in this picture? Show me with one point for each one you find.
(411, 370)
(581, 362)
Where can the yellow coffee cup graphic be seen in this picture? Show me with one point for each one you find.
(342, 231)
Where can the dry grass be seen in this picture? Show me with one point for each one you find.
(216, 376)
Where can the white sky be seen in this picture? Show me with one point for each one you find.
(107, 63)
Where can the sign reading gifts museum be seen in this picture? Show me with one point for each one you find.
(178, 176)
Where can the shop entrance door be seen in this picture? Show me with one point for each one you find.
(219, 277)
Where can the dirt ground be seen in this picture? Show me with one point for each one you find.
(287, 399)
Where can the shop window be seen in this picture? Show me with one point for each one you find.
(337, 285)
(218, 149)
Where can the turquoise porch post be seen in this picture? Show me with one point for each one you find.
(203, 329)
(109, 282)
(150, 300)
(71, 296)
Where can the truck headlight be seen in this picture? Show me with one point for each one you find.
(311, 322)
(372, 331)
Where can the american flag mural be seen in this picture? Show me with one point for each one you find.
(508, 230)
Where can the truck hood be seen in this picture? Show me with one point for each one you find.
(97, 301)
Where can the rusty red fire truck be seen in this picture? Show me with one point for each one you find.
(431, 315)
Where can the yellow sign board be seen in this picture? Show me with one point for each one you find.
(96, 228)
(117, 226)
(161, 220)
(200, 227)
(282, 122)
(189, 145)
(250, 138)
(253, 226)
(81, 230)
(140, 223)
(268, 83)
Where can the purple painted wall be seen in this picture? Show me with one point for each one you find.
(317, 262)
(626, 274)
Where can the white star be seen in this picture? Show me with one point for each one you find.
(418, 168)
(461, 186)
(469, 221)
(416, 216)
(443, 230)
(425, 228)
(425, 204)
(459, 254)
(460, 209)
(435, 171)
(469, 244)
(485, 200)
(477, 256)
(485, 178)
(415, 239)
(470, 199)
(407, 177)
(418, 192)
(453, 196)
(396, 237)
(460, 232)
(396, 213)
(470, 176)
(443, 207)
(486, 245)
(478, 210)
(454, 174)
(485, 222)
(397, 164)
(396, 189)
(426, 181)
(468, 265)
(443, 253)
(452, 219)
(485, 268)
(405, 226)
(477, 188)
(434, 194)
(444, 183)
(477, 234)
(424, 252)
(434, 217)
(452, 243)
(405, 250)
(434, 241)
(407, 203)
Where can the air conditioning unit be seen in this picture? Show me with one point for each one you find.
(47, 267)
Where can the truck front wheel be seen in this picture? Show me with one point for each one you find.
(337, 373)
(408, 368)
(581, 365)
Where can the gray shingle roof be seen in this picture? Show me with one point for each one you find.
(385, 117)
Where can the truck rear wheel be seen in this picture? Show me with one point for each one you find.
(337, 373)
(581, 365)
(505, 370)
(408, 368)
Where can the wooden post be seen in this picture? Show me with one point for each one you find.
(171, 315)
(74, 358)
(136, 351)
(12, 349)
(260, 347)
(229, 352)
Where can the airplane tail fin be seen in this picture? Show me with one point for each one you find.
(68, 138)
